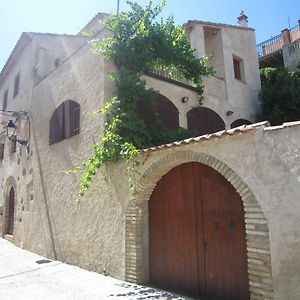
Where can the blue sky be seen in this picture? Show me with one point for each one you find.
(268, 17)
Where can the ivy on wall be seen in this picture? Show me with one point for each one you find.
(138, 45)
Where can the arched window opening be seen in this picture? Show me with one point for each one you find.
(239, 122)
(65, 121)
(204, 121)
(162, 106)
(10, 212)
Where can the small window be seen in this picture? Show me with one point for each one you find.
(17, 84)
(5, 97)
(1, 151)
(13, 146)
(238, 67)
(65, 122)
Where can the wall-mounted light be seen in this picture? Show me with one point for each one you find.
(10, 133)
(185, 99)
(229, 113)
(10, 129)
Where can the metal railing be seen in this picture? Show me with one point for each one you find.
(276, 43)
(295, 33)
(175, 75)
(269, 46)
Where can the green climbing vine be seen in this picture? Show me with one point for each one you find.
(138, 45)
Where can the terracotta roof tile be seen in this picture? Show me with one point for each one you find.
(220, 134)
(216, 135)
(284, 125)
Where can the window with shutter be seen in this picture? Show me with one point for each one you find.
(72, 118)
(238, 68)
(65, 122)
(56, 125)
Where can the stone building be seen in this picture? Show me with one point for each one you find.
(239, 185)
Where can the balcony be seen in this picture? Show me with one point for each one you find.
(173, 76)
(276, 43)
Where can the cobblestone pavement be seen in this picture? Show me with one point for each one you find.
(28, 276)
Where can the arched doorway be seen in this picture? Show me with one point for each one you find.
(10, 212)
(167, 111)
(239, 122)
(197, 237)
(204, 120)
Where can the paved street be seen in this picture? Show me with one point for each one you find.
(25, 275)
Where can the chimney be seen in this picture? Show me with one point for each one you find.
(286, 37)
(243, 19)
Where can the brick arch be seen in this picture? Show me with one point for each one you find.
(10, 183)
(257, 233)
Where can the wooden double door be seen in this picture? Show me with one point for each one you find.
(197, 239)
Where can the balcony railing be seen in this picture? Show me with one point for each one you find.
(295, 33)
(174, 75)
(269, 46)
(277, 42)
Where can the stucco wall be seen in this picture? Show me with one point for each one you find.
(16, 168)
(223, 92)
(87, 234)
(291, 55)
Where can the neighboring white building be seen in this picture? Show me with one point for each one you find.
(50, 78)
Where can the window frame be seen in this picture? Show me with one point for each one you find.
(238, 68)
(64, 122)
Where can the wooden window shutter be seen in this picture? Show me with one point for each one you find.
(72, 118)
(56, 125)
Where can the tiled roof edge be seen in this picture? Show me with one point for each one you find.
(218, 24)
(99, 14)
(219, 134)
(284, 125)
(265, 125)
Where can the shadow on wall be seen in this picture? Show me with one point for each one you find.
(141, 292)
